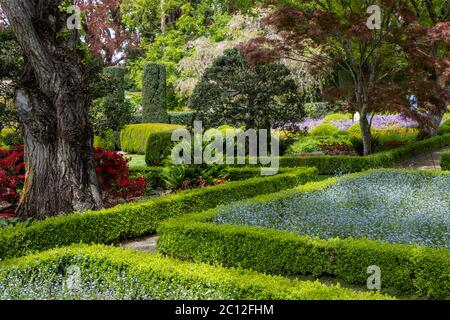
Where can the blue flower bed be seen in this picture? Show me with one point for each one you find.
(397, 207)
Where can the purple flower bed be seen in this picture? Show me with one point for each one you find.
(396, 121)
(396, 207)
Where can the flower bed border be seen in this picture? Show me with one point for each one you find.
(139, 218)
(407, 269)
(163, 275)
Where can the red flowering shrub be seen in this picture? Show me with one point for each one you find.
(112, 170)
(12, 174)
(114, 175)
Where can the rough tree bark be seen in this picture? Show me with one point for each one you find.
(52, 100)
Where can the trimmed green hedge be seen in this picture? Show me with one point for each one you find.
(152, 174)
(185, 118)
(159, 147)
(134, 137)
(128, 274)
(330, 165)
(139, 218)
(154, 107)
(407, 269)
(445, 161)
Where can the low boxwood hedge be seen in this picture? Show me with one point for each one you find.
(135, 219)
(133, 138)
(445, 161)
(330, 165)
(183, 117)
(115, 273)
(153, 174)
(406, 269)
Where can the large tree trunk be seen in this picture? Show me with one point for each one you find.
(366, 134)
(52, 101)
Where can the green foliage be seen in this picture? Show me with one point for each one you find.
(184, 118)
(134, 137)
(336, 117)
(316, 110)
(159, 147)
(110, 111)
(139, 218)
(325, 129)
(330, 165)
(154, 93)
(195, 237)
(445, 161)
(257, 97)
(105, 141)
(10, 137)
(358, 144)
(182, 176)
(152, 176)
(128, 274)
(444, 128)
(191, 175)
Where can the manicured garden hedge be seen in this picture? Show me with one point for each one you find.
(134, 137)
(445, 161)
(135, 219)
(154, 107)
(152, 174)
(114, 273)
(406, 269)
(330, 165)
(159, 147)
(185, 118)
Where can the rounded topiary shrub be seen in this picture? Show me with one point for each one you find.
(134, 137)
(335, 117)
(159, 146)
(325, 130)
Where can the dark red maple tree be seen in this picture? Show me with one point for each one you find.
(106, 35)
(372, 69)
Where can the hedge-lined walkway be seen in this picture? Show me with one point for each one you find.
(426, 161)
(145, 244)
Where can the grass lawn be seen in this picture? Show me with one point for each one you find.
(136, 160)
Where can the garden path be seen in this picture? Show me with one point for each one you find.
(427, 161)
(146, 244)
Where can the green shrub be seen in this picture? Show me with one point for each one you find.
(159, 147)
(134, 137)
(185, 118)
(405, 269)
(335, 117)
(325, 130)
(445, 161)
(154, 93)
(330, 165)
(316, 110)
(152, 176)
(106, 142)
(126, 274)
(10, 137)
(444, 128)
(354, 128)
(139, 218)
(358, 144)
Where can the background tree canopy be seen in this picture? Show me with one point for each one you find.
(233, 92)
